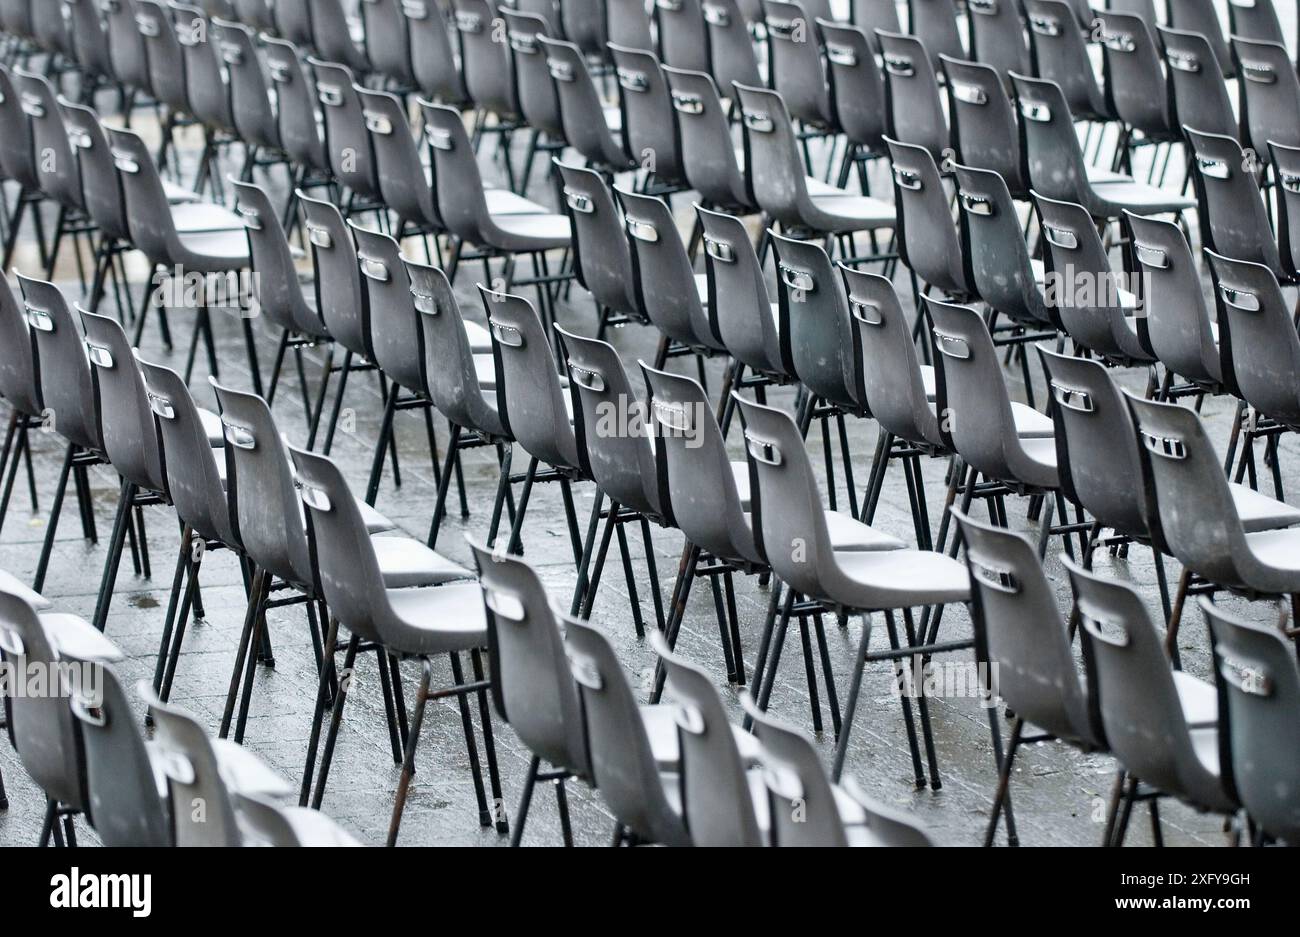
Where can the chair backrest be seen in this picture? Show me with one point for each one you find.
(611, 424)
(350, 580)
(450, 376)
(347, 141)
(1135, 79)
(795, 67)
(731, 47)
(1096, 443)
(927, 239)
(122, 799)
(388, 40)
(531, 680)
(1134, 685)
(62, 371)
(971, 396)
(1178, 322)
(1286, 163)
(203, 813)
(1060, 53)
(739, 306)
(716, 795)
(665, 282)
(1260, 689)
(144, 200)
(1269, 90)
(40, 724)
(1195, 75)
(628, 24)
(193, 478)
(537, 101)
(256, 14)
(459, 186)
(1080, 288)
(1258, 334)
(1256, 20)
(912, 91)
(816, 337)
(788, 518)
(87, 39)
(403, 183)
(101, 188)
(205, 80)
(386, 297)
(529, 397)
(16, 17)
(485, 63)
(251, 109)
(997, 257)
(17, 159)
(997, 36)
(49, 28)
(856, 85)
(293, 21)
(935, 23)
(772, 160)
(18, 383)
(56, 166)
(295, 96)
(888, 826)
(622, 763)
(708, 154)
(683, 39)
(1053, 157)
(275, 281)
(331, 35)
(164, 54)
(585, 23)
(1020, 634)
(1198, 18)
(985, 133)
(264, 505)
(1188, 487)
(338, 275)
(433, 57)
(697, 488)
(870, 15)
(891, 373)
(126, 46)
(582, 112)
(801, 803)
(1230, 200)
(126, 420)
(603, 260)
(649, 127)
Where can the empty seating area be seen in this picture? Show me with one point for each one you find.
(590, 422)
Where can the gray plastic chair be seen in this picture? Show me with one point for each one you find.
(296, 109)
(870, 15)
(126, 47)
(41, 725)
(485, 63)
(1135, 80)
(1058, 42)
(1106, 320)
(935, 23)
(1257, 21)
(780, 187)
(741, 311)
(622, 762)
(602, 257)
(57, 170)
(997, 36)
(1198, 18)
(252, 107)
(418, 623)
(387, 40)
(709, 157)
(1260, 691)
(1021, 637)
(857, 95)
(332, 37)
(928, 238)
(347, 140)
(646, 109)
(1196, 80)
(683, 40)
(582, 112)
(1161, 724)
(537, 100)
(626, 23)
(985, 134)
(293, 21)
(17, 162)
(912, 92)
(434, 57)
(795, 68)
(731, 46)
(19, 388)
(1269, 95)
(1235, 218)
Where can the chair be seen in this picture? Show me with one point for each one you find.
(296, 101)
(857, 96)
(485, 66)
(1135, 80)
(683, 38)
(126, 49)
(20, 388)
(41, 724)
(1199, 18)
(1058, 44)
(985, 134)
(347, 140)
(1024, 647)
(404, 184)
(1105, 319)
(870, 15)
(252, 106)
(18, 162)
(622, 761)
(709, 158)
(256, 14)
(927, 237)
(293, 21)
(1161, 724)
(1234, 217)
(434, 58)
(912, 93)
(798, 546)
(1286, 164)
(1196, 81)
(387, 43)
(88, 44)
(795, 68)
(205, 88)
(934, 23)
(602, 257)
(582, 114)
(646, 112)
(1269, 95)
(538, 103)
(1259, 691)
(731, 55)
(333, 38)
(997, 37)
(1257, 22)
(1056, 164)
(418, 623)
(626, 23)
(778, 180)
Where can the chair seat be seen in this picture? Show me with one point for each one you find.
(848, 533)
(1139, 198)
(531, 232)
(11, 584)
(314, 828)
(1260, 512)
(883, 579)
(847, 212)
(405, 563)
(740, 473)
(72, 636)
(213, 428)
(178, 194)
(660, 721)
(204, 217)
(1039, 468)
(1199, 699)
(851, 813)
(245, 773)
(375, 522)
(505, 202)
(485, 369)
(438, 620)
(1280, 550)
(929, 382)
(214, 251)
(1098, 174)
(1030, 424)
(480, 339)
